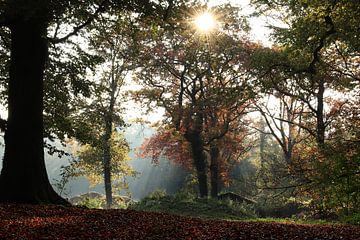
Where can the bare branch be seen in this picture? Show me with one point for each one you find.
(268, 123)
(299, 125)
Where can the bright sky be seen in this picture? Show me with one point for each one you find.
(259, 31)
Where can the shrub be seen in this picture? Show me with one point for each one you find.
(92, 203)
(183, 203)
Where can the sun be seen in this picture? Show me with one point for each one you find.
(205, 22)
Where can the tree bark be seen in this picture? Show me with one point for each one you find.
(108, 119)
(23, 177)
(197, 148)
(320, 124)
(214, 170)
(107, 161)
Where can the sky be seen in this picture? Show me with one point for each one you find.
(259, 31)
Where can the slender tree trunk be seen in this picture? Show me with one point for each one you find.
(214, 170)
(197, 147)
(107, 161)
(262, 144)
(108, 118)
(23, 177)
(288, 155)
(320, 128)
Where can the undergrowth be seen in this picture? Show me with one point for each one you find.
(188, 205)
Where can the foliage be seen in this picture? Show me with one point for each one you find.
(100, 203)
(89, 162)
(186, 204)
(319, 58)
(308, 20)
(335, 182)
(66, 173)
(56, 222)
(92, 203)
(352, 219)
(169, 143)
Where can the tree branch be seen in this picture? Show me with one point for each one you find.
(311, 69)
(76, 29)
(311, 132)
(316, 54)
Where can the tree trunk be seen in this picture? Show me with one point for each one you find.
(214, 170)
(320, 124)
(197, 148)
(108, 119)
(23, 177)
(107, 161)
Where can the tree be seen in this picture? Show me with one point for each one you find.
(280, 123)
(283, 116)
(23, 177)
(89, 162)
(116, 37)
(275, 177)
(318, 53)
(309, 42)
(205, 92)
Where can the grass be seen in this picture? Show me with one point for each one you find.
(293, 220)
(187, 205)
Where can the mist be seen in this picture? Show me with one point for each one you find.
(163, 176)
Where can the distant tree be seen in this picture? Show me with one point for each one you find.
(282, 118)
(89, 162)
(315, 62)
(276, 177)
(280, 122)
(315, 52)
(114, 40)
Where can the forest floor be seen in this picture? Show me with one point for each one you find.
(57, 222)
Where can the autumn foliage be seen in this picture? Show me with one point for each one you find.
(54, 222)
(167, 143)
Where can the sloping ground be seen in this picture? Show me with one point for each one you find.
(54, 222)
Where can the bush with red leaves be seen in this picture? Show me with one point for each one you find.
(56, 222)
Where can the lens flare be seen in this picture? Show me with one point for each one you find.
(205, 22)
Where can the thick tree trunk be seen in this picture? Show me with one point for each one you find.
(23, 177)
(214, 170)
(197, 148)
